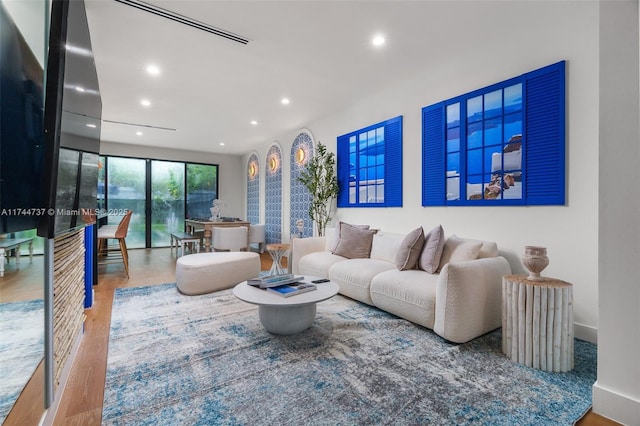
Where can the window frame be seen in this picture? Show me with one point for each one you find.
(103, 177)
(542, 168)
(391, 165)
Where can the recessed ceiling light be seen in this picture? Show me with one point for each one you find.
(93, 126)
(378, 40)
(153, 69)
(254, 123)
(221, 143)
(285, 101)
(80, 89)
(139, 133)
(145, 102)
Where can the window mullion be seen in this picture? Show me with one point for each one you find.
(463, 150)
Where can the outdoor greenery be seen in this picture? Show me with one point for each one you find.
(319, 177)
(201, 177)
(127, 185)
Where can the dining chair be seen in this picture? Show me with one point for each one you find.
(257, 236)
(114, 253)
(230, 239)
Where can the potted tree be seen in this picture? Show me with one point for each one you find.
(321, 181)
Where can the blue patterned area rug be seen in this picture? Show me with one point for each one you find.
(21, 348)
(207, 360)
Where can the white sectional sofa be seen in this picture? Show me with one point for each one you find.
(459, 301)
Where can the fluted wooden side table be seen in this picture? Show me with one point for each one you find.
(537, 322)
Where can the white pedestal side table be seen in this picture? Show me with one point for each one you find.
(537, 322)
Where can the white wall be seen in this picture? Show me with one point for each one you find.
(32, 19)
(551, 31)
(231, 170)
(616, 394)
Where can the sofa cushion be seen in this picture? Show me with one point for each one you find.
(457, 249)
(318, 263)
(354, 276)
(386, 246)
(331, 236)
(410, 249)
(429, 259)
(488, 249)
(354, 243)
(408, 294)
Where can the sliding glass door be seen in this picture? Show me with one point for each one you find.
(155, 191)
(167, 201)
(202, 189)
(126, 183)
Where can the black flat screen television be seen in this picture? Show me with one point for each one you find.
(72, 117)
(22, 144)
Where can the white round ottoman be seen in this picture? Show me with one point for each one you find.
(207, 272)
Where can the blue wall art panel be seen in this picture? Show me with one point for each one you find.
(273, 196)
(301, 152)
(253, 190)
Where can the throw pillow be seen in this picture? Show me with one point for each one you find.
(354, 243)
(429, 259)
(410, 249)
(332, 241)
(458, 250)
(331, 238)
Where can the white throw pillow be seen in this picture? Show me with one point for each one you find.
(458, 250)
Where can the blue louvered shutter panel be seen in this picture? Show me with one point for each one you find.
(393, 163)
(544, 146)
(343, 170)
(433, 158)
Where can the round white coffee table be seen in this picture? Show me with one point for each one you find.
(286, 315)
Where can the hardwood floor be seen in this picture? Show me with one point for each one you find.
(81, 401)
(24, 283)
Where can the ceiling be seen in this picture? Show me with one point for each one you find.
(316, 53)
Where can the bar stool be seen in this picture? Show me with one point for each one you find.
(114, 253)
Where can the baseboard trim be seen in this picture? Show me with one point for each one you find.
(614, 405)
(585, 332)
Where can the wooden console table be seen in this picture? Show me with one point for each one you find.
(537, 322)
(194, 224)
(13, 243)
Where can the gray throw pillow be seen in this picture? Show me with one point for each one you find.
(432, 252)
(336, 237)
(410, 249)
(354, 243)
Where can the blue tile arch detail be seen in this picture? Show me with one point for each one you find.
(253, 190)
(273, 196)
(300, 196)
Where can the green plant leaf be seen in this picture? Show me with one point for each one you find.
(319, 177)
